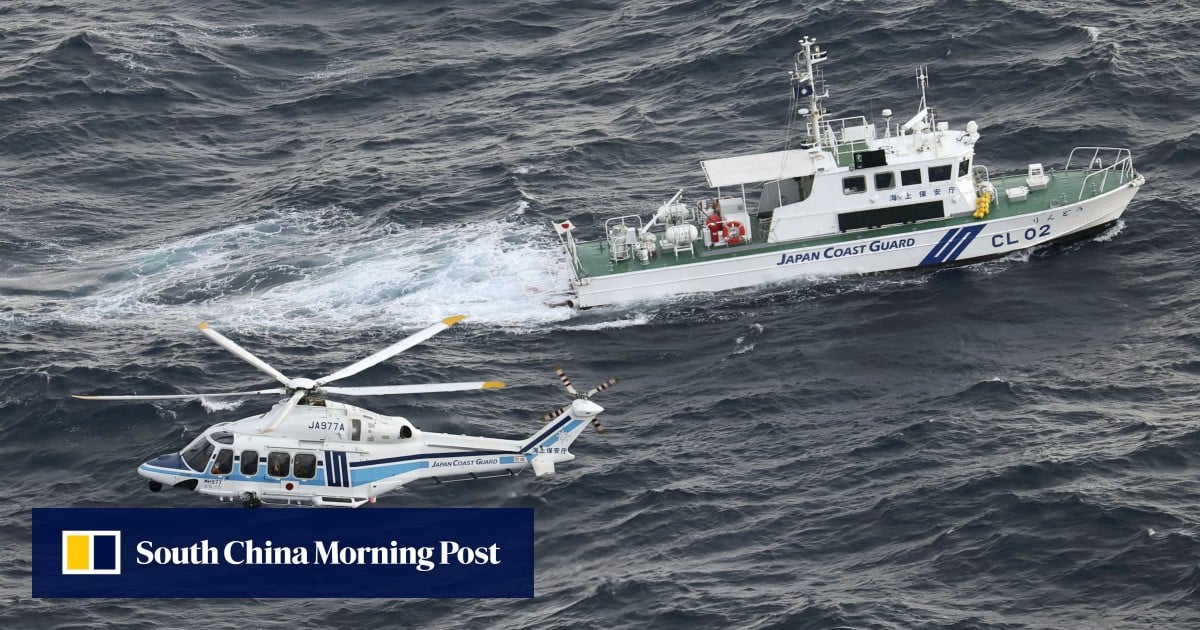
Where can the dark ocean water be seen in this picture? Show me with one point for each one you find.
(1005, 445)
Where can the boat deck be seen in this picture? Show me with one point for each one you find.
(1063, 189)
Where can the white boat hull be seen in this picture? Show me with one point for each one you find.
(925, 248)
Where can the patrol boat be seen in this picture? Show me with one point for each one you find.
(850, 199)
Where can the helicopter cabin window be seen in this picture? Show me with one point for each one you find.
(885, 181)
(355, 430)
(277, 464)
(224, 462)
(249, 463)
(910, 177)
(197, 453)
(854, 185)
(939, 173)
(304, 466)
(222, 437)
(964, 166)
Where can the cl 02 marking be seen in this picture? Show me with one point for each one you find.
(1030, 233)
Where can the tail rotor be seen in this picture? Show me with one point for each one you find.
(566, 381)
(562, 376)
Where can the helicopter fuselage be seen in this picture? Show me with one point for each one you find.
(333, 454)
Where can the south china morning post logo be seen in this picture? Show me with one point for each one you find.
(311, 553)
(320, 552)
(91, 552)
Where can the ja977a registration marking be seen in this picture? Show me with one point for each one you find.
(325, 425)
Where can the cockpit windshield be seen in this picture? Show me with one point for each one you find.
(197, 453)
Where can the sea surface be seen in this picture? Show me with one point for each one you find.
(1012, 444)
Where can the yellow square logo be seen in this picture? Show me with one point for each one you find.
(91, 552)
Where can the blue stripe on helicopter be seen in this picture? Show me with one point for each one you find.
(319, 479)
(403, 458)
(554, 438)
(369, 475)
(952, 245)
(336, 469)
(392, 469)
(529, 444)
(536, 440)
(337, 474)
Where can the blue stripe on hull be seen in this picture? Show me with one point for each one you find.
(952, 245)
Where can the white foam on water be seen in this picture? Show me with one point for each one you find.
(637, 319)
(320, 267)
(740, 341)
(214, 405)
(1093, 33)
(1110, 233)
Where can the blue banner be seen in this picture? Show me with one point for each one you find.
(276, 552)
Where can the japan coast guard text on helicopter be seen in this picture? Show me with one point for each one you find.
(309, 451)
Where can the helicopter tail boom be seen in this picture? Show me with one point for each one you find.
(552, 443)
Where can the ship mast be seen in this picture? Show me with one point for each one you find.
(804, 86)
(924, 117)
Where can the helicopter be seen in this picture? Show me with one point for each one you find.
(307, 450)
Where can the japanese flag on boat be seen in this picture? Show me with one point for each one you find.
(563, 227)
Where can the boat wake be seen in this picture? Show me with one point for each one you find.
(315, 268)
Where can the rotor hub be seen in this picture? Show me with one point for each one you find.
(302, 383)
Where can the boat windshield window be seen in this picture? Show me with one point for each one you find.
(249, 463)
(854, 185)
(964, 167)
(939, 173)
(197, 453)
(885, 181)
(911, 177)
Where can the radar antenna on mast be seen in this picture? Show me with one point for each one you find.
(805, 78)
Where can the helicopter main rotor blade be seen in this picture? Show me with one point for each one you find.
(391, 350)
(244, 354)
(287, 408)
(383, 390)
(180, 396)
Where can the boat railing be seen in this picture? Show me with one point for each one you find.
(567, 238)
(980, 173)
(842, 134)
(1120, 165)
(623, 234)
